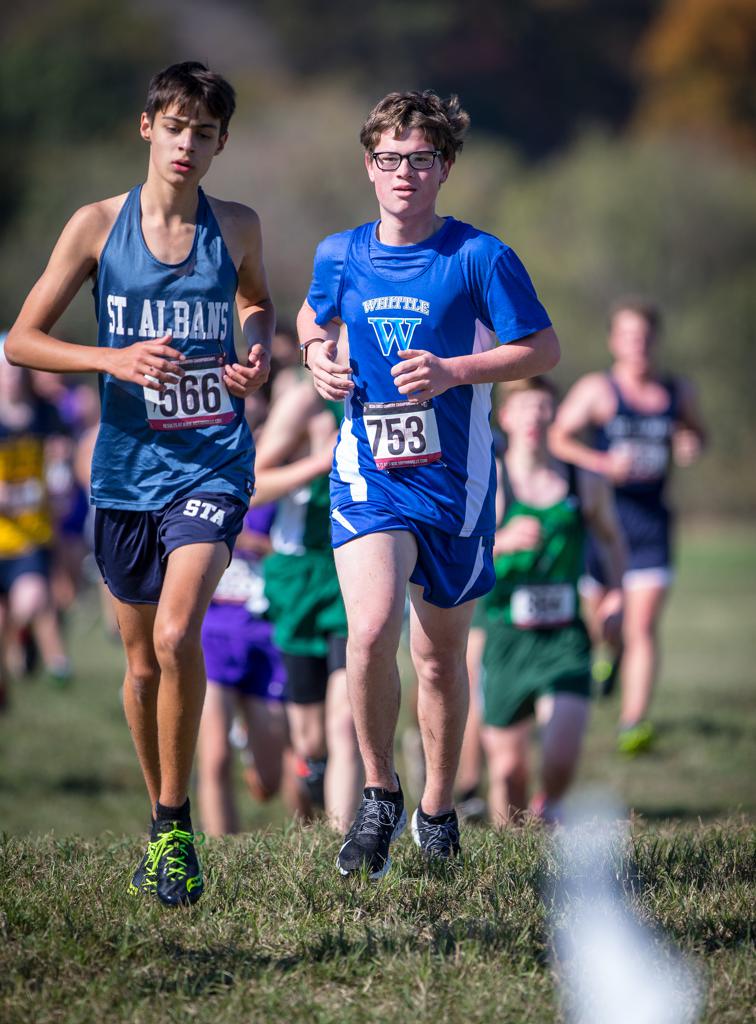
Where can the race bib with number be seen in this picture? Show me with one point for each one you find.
(648, 459)
(199, 399)
(402, 434)
(544, 606)
(243, 583)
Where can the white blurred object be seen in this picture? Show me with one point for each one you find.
(612, 969)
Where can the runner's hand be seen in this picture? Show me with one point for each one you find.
(332, 380)
(609, 616)
(245, 380)
(421, 375)
(151, 364)
(323, 451)
(618, 466)
(686, 445)
(522, 533)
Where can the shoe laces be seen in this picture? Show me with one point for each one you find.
(375, 816)
(439, 836)
(175, 846)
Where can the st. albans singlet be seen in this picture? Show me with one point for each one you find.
(647, 438)
(452, 294)
(153, 447)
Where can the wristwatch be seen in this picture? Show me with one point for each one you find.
(303, 351)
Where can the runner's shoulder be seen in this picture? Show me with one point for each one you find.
(236, 218)
(334, 247)
(479, 252)
(595, 389)
(475, 243)
(90, 225)
(301, 400)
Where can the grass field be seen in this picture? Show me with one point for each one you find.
(279, 935)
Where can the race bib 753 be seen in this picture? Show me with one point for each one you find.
(402, 434)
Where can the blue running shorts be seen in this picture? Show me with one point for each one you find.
(35, 563)
(647, 527)
(131, 548)
(450, 569)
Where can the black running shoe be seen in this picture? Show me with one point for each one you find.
(175, 863)
(315, 780)
(380, 820)
(437, 835)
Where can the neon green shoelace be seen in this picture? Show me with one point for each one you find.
(174, 845)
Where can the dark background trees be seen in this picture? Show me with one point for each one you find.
(613, 145)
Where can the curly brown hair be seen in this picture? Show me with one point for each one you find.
(443, 122)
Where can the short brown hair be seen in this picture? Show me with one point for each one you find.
(649, 310)
(187, 84)
(443, 122)
(516, 387)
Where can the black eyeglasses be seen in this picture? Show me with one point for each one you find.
(423, 160)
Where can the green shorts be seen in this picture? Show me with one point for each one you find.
(306, 607)
(480, 618)
(521, 665)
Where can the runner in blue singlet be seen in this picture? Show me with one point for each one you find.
(640, 422)
(424, 300)
(172, 468)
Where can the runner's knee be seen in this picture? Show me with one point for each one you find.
(368, 641)
(215, 763)
(507, 766)
(440, 669)
(175, 643)
(29, 596)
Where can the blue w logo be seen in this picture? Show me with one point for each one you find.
(394, 330)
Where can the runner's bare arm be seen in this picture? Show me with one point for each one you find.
(73, 260)
(580, 409)
(521, 533)
(255, 308)
(285, 429)
(600, 514)
(331, 374)
(274, 483)
(422, 375)
(277, 472)
(689, 438)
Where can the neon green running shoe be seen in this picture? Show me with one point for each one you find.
(177, 868)
(144, 880)
(635, 739)
(605, 675)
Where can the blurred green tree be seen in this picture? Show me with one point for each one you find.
(71, 73)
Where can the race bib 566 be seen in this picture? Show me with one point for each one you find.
(199, 399)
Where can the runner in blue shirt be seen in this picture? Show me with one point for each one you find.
(172, 469)
(424, 300)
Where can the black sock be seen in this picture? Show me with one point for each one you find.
(165, 813)
(315, 779)
(437, 819)
(467, 794)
